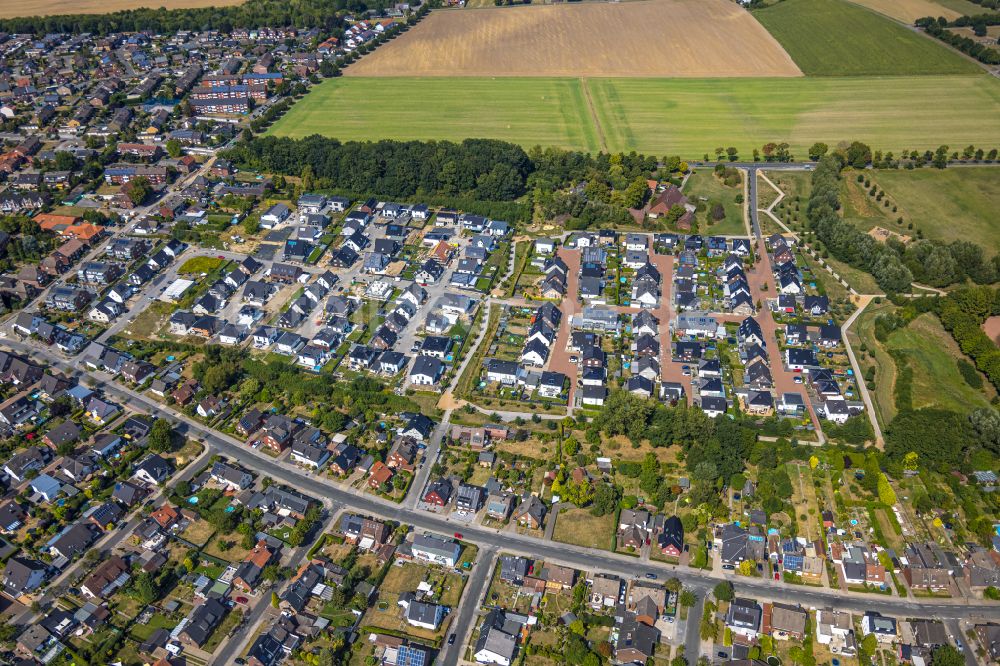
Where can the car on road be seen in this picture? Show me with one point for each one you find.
(451, 639)
(777, 575)
(958, 644)
(797, 379)
(650, 575)
(458, 535)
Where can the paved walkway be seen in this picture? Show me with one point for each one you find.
(861, 300)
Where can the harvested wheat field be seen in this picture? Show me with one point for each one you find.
(647, 38)
(909, 11)
(15, 8)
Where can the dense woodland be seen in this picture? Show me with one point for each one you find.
(322, 14)
(475, 171)
(894, 265)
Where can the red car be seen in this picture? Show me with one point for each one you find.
(777, 576)
(458, 535)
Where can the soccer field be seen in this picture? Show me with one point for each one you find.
(689, 117)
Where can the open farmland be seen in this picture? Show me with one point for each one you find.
(836, 38)
(689, 117)
(15, 8)
(551, 112)
(909, 11)
(682, 38)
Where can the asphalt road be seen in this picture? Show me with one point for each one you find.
(955, 633)
(468, 608)
(576, 556)
(692, 639)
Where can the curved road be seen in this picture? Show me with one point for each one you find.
(576, 556)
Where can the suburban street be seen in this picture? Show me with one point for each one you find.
(570, 555)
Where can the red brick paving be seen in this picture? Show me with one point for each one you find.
(664, 312)
(784, 380)
(559, 360)
(758, 276)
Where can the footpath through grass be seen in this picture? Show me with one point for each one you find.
(689, 117)
(837, 38)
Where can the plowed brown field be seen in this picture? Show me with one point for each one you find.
(646, 38)
(14, 8)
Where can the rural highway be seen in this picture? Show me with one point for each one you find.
(587, 559)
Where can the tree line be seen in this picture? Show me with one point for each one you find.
(938, 28)
(322, 14)
(893, 265)
(498, 178)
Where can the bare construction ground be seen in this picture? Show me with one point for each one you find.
(15, 8)
(647, 38)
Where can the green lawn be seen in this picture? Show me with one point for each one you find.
(948, 204)
(690, 117)
(836, 38)
(705, 184)
(200, 265)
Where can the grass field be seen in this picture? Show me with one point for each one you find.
(580, 527)
(963, 7)
(835, 38)
(689, 117)
(705, 184)
(12, 8)
(930, 352)
(641, 38)
(947, 205)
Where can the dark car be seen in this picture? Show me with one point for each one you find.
(451, 639)
(651, 575)
(723, 655)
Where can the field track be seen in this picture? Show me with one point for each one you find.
(659, 38)
(14, 8)
(690, 117)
